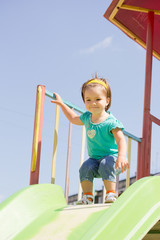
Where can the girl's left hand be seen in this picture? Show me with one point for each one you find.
(121, 163)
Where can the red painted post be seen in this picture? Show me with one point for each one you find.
(37, 135)
(146, 138)
(139, 158)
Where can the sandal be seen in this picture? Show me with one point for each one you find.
(110, 197)
(86, 199)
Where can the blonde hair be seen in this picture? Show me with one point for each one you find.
(97, 82)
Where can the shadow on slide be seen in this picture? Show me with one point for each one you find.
(32, 210)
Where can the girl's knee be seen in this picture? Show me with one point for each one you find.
(85, 169)
(108, 162)
(107, 168)
(88, 170)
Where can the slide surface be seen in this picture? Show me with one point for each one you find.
(40, 212)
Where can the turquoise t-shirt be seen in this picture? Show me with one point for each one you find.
(100, 140)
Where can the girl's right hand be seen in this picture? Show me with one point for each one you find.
(58, 99)
(68, 112)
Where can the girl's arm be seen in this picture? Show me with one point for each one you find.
(121, 163)
(68, 112)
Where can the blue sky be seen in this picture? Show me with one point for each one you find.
(61, 44)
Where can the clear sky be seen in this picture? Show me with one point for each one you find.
(61, 44)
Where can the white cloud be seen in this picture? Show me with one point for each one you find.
(103, 44)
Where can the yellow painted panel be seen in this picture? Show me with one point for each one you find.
(38, 111)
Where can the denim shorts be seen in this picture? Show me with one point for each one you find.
(98, 168)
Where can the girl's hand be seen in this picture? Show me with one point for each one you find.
(68, 112)
(58, 99)
(121, 163)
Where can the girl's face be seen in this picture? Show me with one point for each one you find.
(95, 99)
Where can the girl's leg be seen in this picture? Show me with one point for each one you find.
(87, 186)
(109, 186)
(88, 171)
(107, 171)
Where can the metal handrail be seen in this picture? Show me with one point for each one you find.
(69, 104)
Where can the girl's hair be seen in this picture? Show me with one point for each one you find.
(89, 83)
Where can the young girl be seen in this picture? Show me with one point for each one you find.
(105, 140)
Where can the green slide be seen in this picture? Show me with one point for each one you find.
(40, 212)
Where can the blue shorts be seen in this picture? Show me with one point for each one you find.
(98, 168)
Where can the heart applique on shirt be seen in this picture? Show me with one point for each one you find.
(91, 133)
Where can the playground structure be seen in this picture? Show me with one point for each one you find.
(40, 211)
(140, 21)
